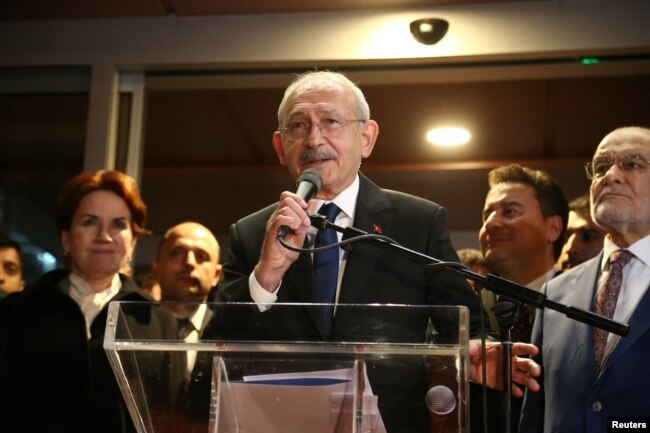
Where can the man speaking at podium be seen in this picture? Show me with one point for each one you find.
(325, 125)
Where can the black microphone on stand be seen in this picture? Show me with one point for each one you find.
(441, 401)
(308, 184)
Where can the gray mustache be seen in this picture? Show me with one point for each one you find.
(317, 154)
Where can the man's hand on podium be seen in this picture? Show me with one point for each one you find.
(524, 370)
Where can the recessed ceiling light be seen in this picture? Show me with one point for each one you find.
(448, 136)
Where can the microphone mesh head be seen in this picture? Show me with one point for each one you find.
(311, 175)
(440, 400)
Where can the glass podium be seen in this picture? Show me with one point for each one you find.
(384, 369)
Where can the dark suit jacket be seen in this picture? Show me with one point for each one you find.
(53, 379)
(372, 275)
(574, 399)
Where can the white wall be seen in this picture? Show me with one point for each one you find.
(495, 31)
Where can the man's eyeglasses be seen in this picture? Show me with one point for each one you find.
(632, 163)
(299, 129)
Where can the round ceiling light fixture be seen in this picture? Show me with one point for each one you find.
(448, 136)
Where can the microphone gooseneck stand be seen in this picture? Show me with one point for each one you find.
(496, 284)
(523, 295)
(507, 314)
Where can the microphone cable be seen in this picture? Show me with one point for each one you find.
(340, 244)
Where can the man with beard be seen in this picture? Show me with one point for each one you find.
(591, 377)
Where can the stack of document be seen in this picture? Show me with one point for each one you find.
(313, 402)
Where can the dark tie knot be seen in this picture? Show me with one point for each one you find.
(329, 211)
(328, 236)
(185, 326)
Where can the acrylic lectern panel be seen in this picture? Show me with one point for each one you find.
(385, 368)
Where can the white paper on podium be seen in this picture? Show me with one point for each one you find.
(314, 402)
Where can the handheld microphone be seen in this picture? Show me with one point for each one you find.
(308, 184)
(441, 401)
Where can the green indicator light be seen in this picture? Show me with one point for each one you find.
(590, 61)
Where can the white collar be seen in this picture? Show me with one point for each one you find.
(640, 249)
(82, 288)
(538, 282)
(199, 314)
(346, 200)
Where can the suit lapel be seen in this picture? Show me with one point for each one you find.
(303, 281)
(580, 293)
(590, 284)
(373, 212)
(639, 325)
(639, 321)
(206, 318)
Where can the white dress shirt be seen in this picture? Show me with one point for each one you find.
(193, 336)
(91, 302)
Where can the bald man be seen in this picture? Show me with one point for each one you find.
(187, 268)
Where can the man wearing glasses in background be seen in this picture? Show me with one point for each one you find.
(592, 378)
